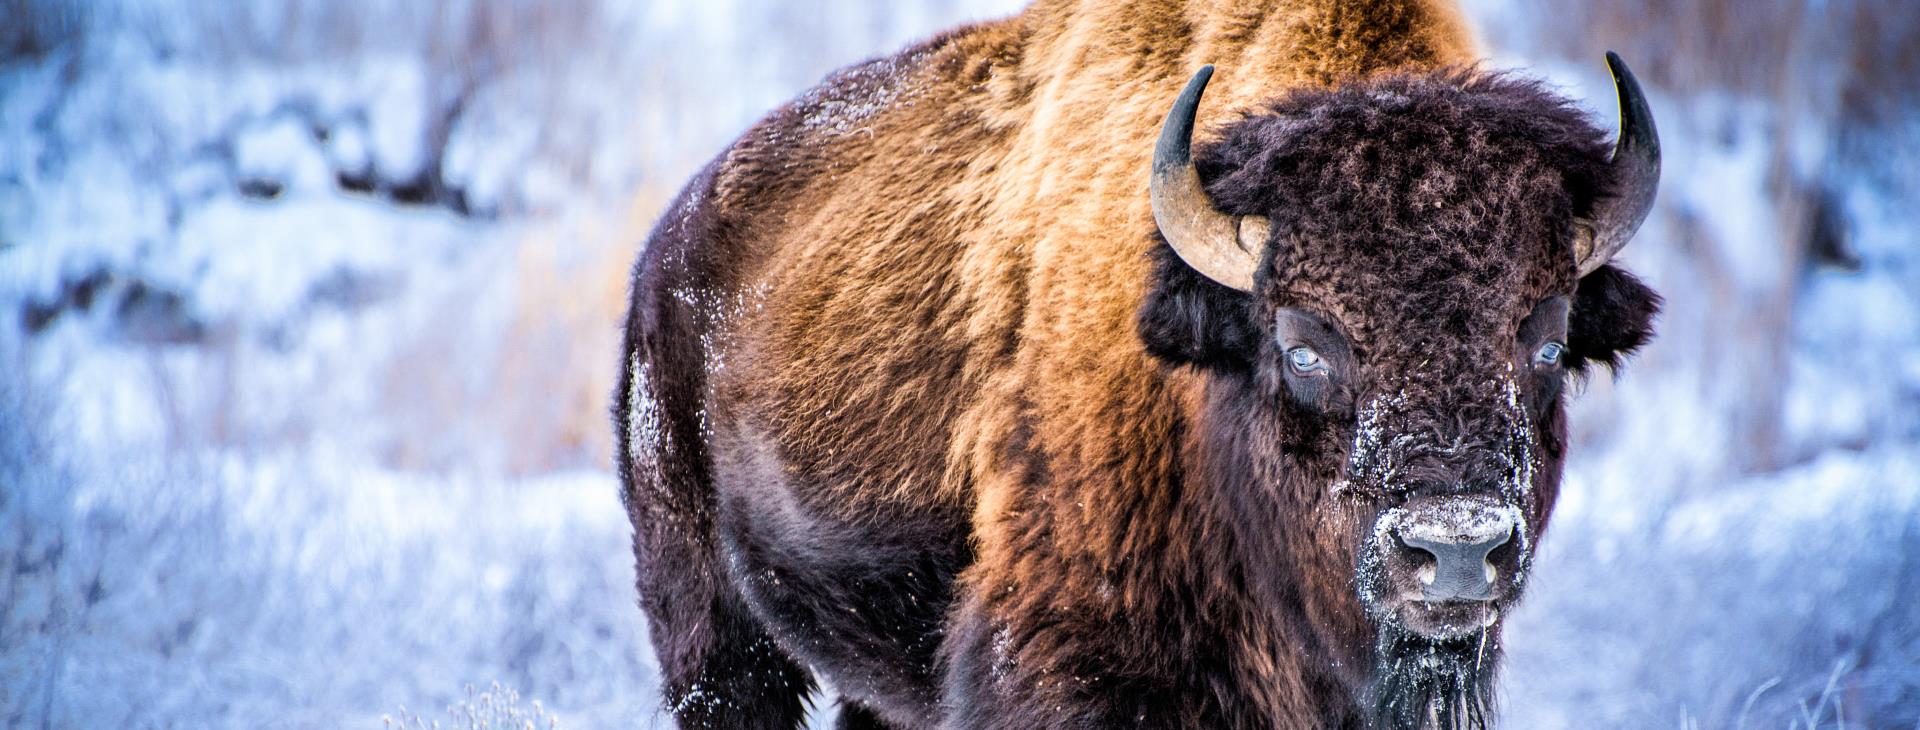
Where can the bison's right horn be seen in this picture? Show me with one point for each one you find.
(1223, 247)
(1636, 173)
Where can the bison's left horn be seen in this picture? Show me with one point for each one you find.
(1636, 176)
(1223, 247)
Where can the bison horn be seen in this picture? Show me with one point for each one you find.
(1636, 175)
(1223, 247)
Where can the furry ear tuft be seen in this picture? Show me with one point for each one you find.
(1612, 316)
(1188, 319)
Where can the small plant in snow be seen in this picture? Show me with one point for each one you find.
(495, 709)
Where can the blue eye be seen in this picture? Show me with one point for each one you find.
(1549, 354)
(1305, 360)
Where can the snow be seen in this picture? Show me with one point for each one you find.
(1458, 520)
(276, 450)
(646, 434)
(284, 152)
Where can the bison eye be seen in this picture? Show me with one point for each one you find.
(1305, 361)
(1549, 354)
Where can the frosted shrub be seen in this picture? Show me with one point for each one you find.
(497, 708)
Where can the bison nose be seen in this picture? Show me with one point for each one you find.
(1460, 570)
(1457, 539)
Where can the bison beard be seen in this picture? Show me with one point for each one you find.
(1448, 683)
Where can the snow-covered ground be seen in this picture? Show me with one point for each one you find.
(310, 313)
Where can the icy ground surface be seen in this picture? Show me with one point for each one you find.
(308, 338)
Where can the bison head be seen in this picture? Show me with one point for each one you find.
(1388, 286)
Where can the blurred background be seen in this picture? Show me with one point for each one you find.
(309, 314)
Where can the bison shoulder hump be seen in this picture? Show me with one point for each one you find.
(812, 134)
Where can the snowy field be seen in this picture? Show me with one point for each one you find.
(310, 313)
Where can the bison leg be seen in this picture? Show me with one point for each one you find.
(1072, 673)
(719, 667)
(724, 672)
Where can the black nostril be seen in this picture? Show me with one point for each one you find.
(1416, 550)
(1503, 546)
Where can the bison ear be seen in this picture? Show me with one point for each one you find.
(1189, 319)
(1612, 317)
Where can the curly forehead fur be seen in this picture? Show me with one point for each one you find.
(1424, 178)
(1421, 141)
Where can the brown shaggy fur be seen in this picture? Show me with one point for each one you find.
(915, 400)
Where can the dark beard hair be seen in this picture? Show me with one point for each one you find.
(1450, 681)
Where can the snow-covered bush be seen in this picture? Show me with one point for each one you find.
(495, 709)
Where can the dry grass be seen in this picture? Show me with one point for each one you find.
(571, 282)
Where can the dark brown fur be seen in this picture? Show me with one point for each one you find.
(916, 401)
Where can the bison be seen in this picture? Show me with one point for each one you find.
(948, 385)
